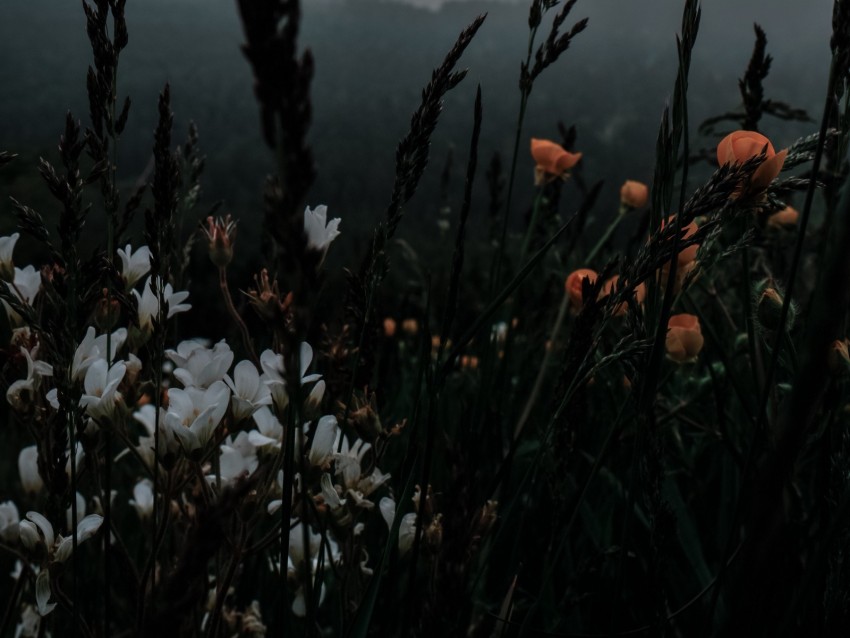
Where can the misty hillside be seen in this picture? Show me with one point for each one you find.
(372, 58)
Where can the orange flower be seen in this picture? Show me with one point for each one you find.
(610, 287)
(785, 218)
(684, 338)
(389, 327)
(573, 284)
(689, 254)
(552, 161)
(740, 146)
(634, 194)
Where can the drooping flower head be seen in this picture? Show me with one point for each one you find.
(552, 161)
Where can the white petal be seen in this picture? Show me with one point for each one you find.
(42, 593)
(44, 525)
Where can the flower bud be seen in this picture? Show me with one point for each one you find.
(684, 338)
(574, 285)
(770, 309)
(633, 195)
(389, 327)
(221, 233)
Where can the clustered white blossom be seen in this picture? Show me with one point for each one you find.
(216, 414)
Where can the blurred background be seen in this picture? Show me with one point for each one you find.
(372, 59)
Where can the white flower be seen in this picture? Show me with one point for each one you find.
(320, 233)
(28, 470)
(248, 393)
(7, 246)
(136, 265)
(20, 392)
(143, 498)
(406, 533)
(146, 415)
(274, 373)
(101, 389)
(238, 458)
(27, 284)
(324, 441)
(199, 366)
(37, 530)
(269, 430)
(387, 507)
(92, 348)
(30, 623)
(149, 303)
(9, 519)
(194, 414)
(81, 511)
(313, 555)
(42, 593)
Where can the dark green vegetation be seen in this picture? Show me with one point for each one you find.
(558, 466)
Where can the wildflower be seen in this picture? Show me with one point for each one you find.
(7, 247)
(20, 393)
(389, 327)
(9, 519)
(306, 561)
(267, 300)
(740, 146)
(143, 499)
(785, 218)
(684, 338)
(324, 441)
(269, 430)
(406, 533)
(101, 389)
(30, 625)
(248, 393)
(26, 284)
(220, 233)
(148, 303)
(410, 326)
(274, 375)
(37, 534)
(320, 232)
(610, 288)
(28, 470)
(194, 414)
(238, 457)
(198, 365)
(633, 194)
(552, 161)
(94, 348)
(575, 282)
(134, 265)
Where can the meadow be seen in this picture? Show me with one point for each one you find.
(534, 380)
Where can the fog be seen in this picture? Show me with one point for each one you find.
(372, 58)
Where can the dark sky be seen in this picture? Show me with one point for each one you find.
(372, 60)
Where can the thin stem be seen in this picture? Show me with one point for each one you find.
(544, 365)
(243, 329)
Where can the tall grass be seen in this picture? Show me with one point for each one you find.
(546, 432)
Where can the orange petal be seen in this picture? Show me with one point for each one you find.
(768, 171)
